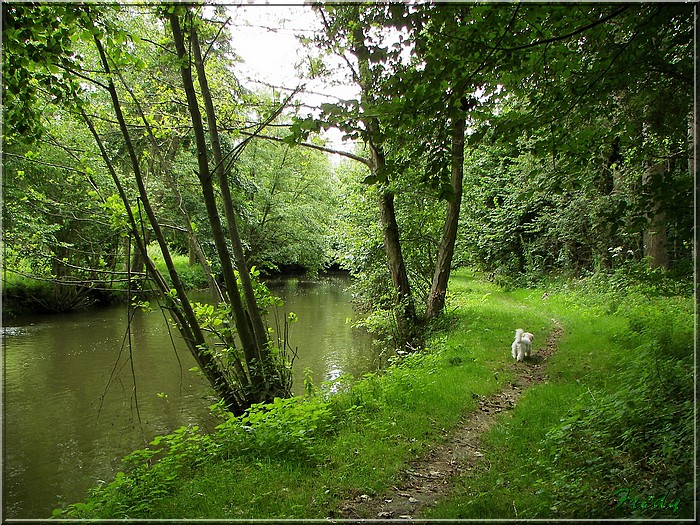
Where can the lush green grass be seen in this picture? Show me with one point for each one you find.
(300, 458)
(192, 276)
(614, 421)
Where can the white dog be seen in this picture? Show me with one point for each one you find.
(522, 345)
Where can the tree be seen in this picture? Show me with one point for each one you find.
(594, 119)
(129, 135)
(396, 95)
(265, 381)
(289, 197)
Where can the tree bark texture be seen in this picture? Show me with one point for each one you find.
(251, 351)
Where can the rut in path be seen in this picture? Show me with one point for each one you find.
(428, 479)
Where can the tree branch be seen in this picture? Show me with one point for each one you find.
(346, 154)
(578, 31)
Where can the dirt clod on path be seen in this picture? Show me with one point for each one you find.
(428, 479)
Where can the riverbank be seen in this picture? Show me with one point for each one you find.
(569, 448)
(26, 295)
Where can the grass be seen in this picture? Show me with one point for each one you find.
(533, 471)
(25, 295)
(308, 456)
(192, 276)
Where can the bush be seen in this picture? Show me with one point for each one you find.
(285, 429)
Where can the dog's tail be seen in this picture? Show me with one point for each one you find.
(519, 335)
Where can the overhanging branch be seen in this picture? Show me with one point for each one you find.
(318, 147)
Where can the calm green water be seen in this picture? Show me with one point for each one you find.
(72, 407)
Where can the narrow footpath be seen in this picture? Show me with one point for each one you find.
(428, 479)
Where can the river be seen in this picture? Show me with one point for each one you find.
(73, 406)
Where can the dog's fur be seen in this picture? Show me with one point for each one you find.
(522, 346)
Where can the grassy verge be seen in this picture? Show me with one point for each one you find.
(192, 276)
(25, 295)
(300, 458)
(610, 435)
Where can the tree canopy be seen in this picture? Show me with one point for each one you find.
(520, 139)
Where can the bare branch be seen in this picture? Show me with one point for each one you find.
(346, 154)
(578, 31)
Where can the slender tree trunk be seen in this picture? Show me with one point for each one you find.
(608, 217)
(394, 256)
(253, 312)
(138, 261)
(443, 265)
(407, 319)
(195, 252)
(392, 247)
(245, 333)
(655, 236)
(182, 311)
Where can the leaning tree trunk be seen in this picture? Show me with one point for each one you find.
(196, 251)
(443, 265)
(254, 316)
(182, 310)
(406, 319)
(256, 360)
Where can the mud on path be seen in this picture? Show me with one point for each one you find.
(428, 479)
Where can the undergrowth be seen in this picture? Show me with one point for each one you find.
(633, 441)
(611, 434)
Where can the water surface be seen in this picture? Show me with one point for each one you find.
(77, 396)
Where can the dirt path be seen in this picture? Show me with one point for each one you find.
(428, 478)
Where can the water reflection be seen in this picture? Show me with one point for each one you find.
(329, 344)
(73, 407)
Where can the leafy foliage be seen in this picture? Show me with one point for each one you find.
(38, 59)
(286, 429)
(287, 200)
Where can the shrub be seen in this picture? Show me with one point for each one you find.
(285, 429)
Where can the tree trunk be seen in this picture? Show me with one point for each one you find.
(138, 261)
(253, 312)
(243, 326)
(443, 265)
(182, 310)
(195, 249)
(655, 237)
(607, 216)
(392, 246)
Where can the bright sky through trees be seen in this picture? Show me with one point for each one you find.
(265, 36)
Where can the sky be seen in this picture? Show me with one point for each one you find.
(265, 37)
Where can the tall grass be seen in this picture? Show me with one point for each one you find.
(611, 434)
